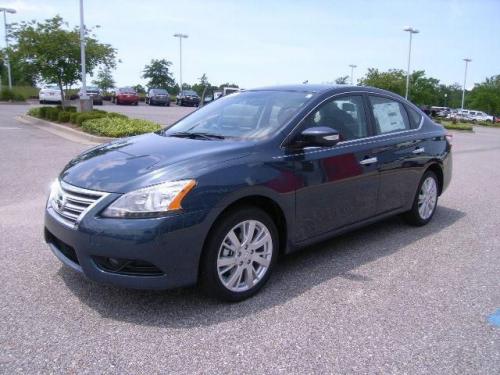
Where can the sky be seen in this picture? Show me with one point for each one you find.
(267, 42)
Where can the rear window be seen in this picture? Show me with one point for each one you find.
(415, 117)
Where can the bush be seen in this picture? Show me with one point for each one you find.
(53, 114)
(88, 116)
(70, 108)
(116, 115)
(43, 112)
(73, 116)
(7, 94)
(119, 127)
(452, 126)
(35, 112)
(63, 116)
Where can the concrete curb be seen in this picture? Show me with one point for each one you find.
(59, 129)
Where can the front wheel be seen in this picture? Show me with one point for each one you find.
(425, 202)
(239, 255)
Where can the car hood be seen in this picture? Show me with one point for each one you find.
(131, 163)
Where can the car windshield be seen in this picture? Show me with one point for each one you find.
(127, 90)
(248, 114)
(189, 92)
(159, 91)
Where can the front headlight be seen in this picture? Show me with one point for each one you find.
(55, 191)
(151, 201)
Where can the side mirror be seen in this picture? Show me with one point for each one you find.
(319, 136)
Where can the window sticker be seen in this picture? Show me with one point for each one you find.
(389, 117)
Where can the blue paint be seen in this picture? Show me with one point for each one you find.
(494, 318)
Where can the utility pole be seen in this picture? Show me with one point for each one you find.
(352, 72)
(412, 31)
(7, 61)
(467, 61)
(180, 36)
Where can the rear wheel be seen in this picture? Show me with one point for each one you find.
(239, 255)
(425, 202)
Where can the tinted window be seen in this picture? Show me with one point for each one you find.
(189, 92)
(249, 114)
(415, 117)
(390, 115)
(345, 114)
(159, 91)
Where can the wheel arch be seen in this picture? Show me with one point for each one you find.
(437, 168)
(266, 204)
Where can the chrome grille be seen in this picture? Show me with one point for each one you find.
(71, 203)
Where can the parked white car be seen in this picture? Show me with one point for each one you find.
(470, 115)
(480, 116)
(49, 94)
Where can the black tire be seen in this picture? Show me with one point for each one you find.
(209, 278)
(167, 104)
(150, 102)
(136, 103)
(413, 217)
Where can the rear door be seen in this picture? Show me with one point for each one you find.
(399, 147)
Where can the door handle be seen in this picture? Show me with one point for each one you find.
(418, 150)
(368, 161)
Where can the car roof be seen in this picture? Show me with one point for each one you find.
(324, 88)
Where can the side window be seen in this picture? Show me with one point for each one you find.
(390, 115)
(415, 117)
(345, 114)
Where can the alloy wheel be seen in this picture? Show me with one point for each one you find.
(245, 255)
(427, 198)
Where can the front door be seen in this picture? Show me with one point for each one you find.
(340, 183)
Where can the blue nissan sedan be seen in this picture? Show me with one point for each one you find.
(216, 197)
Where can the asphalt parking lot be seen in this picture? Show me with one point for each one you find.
(161, 115)
(385, 299)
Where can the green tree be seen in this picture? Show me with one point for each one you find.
(201, 85)
(159, 75)
(227, 84)
(53, 50)
(104, 79)
(342, 80)
(486, 96)
(393, 80)
(423, 90)
(139, 89)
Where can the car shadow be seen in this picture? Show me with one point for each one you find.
(294, 275)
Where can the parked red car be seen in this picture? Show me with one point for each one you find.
(125, 95)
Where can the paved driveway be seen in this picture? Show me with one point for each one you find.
(386, 299)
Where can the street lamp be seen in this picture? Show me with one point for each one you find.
(83, 91)
(352, 66)
(5, 11)
(412, 31)
(467, 61)
(180, 36)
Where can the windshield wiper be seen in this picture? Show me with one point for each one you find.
(196, 135)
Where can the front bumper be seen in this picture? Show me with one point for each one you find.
(172, 245)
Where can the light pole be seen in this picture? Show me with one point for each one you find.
(412, 31)
(467, 61)
(352, 66)
(83, 92)
(180, 36)
(5, 11)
